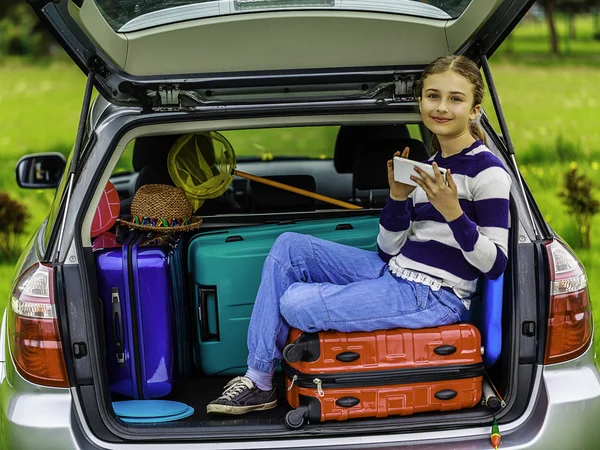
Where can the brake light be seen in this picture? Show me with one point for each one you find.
(33, 332)
(570, 321)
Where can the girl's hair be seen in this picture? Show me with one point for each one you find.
(466, 68)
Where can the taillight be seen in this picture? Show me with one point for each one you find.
(33, 329)
(570, 322)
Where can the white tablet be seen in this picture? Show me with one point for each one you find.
(404, 168)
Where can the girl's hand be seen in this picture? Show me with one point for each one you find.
(398, 191)
(443, 197)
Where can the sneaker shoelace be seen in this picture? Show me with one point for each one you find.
(235, 386)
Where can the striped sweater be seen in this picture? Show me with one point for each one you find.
(414, 235)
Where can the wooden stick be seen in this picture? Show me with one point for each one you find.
(296, 190)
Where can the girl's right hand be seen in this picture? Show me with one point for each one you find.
(398, 191)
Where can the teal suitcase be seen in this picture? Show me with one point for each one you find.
(225, 271)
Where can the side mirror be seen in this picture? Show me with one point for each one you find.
(40, 170)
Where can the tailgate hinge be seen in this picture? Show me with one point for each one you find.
(97, 65)
(404, 87)
(169, 95)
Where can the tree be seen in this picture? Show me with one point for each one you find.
(580, 202)
(569, 7)
(550, 7)
(5, 5)
(13, 218)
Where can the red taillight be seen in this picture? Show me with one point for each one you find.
(570, 321)
(33, 329)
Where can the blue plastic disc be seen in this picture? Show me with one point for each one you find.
(188, 412)
(155, 409)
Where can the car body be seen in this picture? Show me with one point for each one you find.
(296, 64)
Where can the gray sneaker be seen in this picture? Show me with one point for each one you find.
(240, 396)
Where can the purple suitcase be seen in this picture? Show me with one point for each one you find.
(137, 292)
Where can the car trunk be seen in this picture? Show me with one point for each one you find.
(223, 337)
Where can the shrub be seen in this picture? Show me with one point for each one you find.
(580, 202)
(20, 32)
(13, 218)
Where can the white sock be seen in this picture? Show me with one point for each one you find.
(263, 380)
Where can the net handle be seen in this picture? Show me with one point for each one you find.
(287, 187)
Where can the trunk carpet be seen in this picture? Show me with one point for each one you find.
(198, 391)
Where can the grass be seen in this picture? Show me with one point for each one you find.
(542, 104)
(550, 104)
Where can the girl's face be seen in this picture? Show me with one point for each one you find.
(447, 104)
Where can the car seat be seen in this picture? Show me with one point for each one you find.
(351, 138)
(150, 155)
(369, 170)
(149, 161)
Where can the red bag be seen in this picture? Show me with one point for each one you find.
(107, 211)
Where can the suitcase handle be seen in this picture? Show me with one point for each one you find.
(444, 350)
(205, 333)
(347, 356)
(117, 326)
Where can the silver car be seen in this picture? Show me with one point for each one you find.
(171, 67)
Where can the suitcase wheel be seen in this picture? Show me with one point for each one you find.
(295, 418)
(294, 352)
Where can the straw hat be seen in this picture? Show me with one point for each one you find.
(163, 209)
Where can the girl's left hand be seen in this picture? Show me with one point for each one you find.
(443, 197)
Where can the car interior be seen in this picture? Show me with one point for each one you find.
(354, 171)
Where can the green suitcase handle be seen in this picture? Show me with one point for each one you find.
(203, 294)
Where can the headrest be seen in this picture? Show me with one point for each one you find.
(153, 175)
(370, 164)
(152, 150)
(267, 198)
(350, 138)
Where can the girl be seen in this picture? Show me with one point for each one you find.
(434, 242)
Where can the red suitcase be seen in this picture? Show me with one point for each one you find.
(337, 376)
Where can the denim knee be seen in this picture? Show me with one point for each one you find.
(301, 307)
(290, 246)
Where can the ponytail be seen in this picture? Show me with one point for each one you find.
(476, 131)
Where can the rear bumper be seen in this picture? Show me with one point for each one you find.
(563, 416)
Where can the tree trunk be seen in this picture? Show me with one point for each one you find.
(550, 4)
(572, 33)
(585, 229)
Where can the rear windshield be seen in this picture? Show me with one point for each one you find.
(131, 15)
(267, 144)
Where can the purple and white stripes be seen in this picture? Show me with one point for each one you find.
(417, 236)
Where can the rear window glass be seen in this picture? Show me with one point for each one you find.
(271, 143)
(131, 15)
(319, 159)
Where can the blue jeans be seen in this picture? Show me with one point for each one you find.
(313, 284)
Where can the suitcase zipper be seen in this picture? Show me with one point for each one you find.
(294, 378)
(382, 377)
(319, 384)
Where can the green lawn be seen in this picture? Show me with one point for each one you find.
(556, 103)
